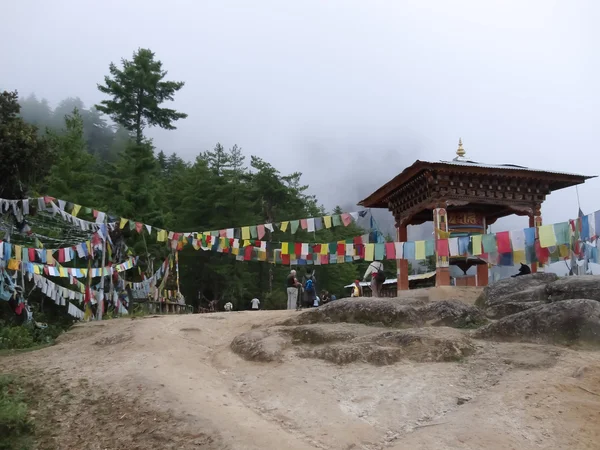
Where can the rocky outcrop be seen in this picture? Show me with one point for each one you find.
(567, 321)
(512, 295)
(384, 312)
(260, 346)
(585, 286)
(451, 313)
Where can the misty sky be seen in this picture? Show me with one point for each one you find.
(347, 92)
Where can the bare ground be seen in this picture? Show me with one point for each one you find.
(174, 382)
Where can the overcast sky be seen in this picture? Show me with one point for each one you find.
(347, 92)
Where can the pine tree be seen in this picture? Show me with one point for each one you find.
(71, 176)
(25, 157)
(137, 91)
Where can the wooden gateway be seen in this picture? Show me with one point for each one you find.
(464, 197)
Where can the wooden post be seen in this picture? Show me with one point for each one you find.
(442, 263)
(482, 274)
(402, 264)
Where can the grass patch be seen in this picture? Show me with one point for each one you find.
(16, 431)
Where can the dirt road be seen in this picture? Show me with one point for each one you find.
(173, 382)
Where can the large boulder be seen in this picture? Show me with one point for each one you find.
(451, 313)
(525, 288)
(585, 286)
(369, 311)
(512, 295)
(568, 321)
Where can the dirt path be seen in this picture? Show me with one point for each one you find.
(180, 369)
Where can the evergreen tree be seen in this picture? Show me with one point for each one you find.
(137, 91)
(25, 157)
(71, 176)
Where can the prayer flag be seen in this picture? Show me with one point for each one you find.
(253, 231)
(324, 250)
(399, 248)
(390, 250)
(318, 223)
(284, 248)
(547, 237)
(310, 225)
(453, 246)
(284, 226)
(349, 249)
(419, 250)
(476, 243)
(123, 223)
(369, 252)
(346, 219)
(429, 248)
(503, 242)
(294, 225)
(139, 227)
(245, 232)
(562, 233)
(336, 220)
(260, 229)
(443, 248)
(327, 220)
(303, 224)
(517, 238)
(409, 250)
(489, 243)
(380, 251)
(76, 209)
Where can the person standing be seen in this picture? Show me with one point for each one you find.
(356, 289)
(375, 270)
(292, 290)
(255, 304)
(310, 288)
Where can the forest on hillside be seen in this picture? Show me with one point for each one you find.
(99, 156)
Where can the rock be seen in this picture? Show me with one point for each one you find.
(584, 286)
(389, 347)
(526, 288)
(506, 309)
(259, 346)
(369, 311)
(568, 321)
(451, 313)
(462, 400)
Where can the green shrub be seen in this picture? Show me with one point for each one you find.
(15, 428)
(15, 338)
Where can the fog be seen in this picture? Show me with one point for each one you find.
(347, 92)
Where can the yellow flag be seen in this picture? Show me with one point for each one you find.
(285, 248)
(324, 249)
(63, 272)
(123, 223)
(284, 226)
(519, 257)
(18, 252)
(262, 256)
(564, 251)
(547, 236)
(245, 233)
(49, 258)
(13, 264)
(369, 252)
(161, 236)
(247, 243)
(235, 251)
(476, 241)
(84, 272)
(76, 209)
(327, 221)
(419, 250)
(36, 269)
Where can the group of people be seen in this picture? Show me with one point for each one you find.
(304, 294)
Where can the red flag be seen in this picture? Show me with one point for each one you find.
(32, 254)
(95, 214)
(317, 249)
(541, 253)
(285, 259)
(442, 247)
(390, 250)
(503, 242)
(61, 255)
(261, 231)
(358, 240)
(324, 259)
(139, 227)
(303, 224)
(341, 249)
(298, 249)
(248, 253)
(346, 219)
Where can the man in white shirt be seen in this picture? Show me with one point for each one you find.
(375, 270)
(228, 306)
(255, 304)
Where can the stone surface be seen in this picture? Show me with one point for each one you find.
(451, 313)
(585, 286)
(568, 321)
(259, 346)
(526, 288)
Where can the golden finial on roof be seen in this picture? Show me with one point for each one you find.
(460, 151)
